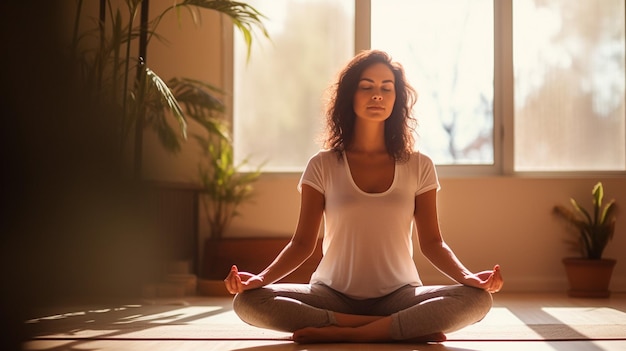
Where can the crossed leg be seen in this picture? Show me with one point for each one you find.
(316, 313)
(378, 330)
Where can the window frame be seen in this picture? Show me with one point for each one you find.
(503, 99)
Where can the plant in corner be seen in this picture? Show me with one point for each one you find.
(133, 96)
(589, 275)
(225, 185)
(110, 56)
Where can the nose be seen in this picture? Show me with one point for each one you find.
(377, 97)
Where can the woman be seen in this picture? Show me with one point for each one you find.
(370, 187)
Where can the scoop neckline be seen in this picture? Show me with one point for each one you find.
(357, 188)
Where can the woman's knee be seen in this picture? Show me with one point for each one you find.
(265, 308)
(248, 302)
(480, 300)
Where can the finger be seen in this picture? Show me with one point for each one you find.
(498, 282)
(231, 280)
(238, 284)
(497, 285)
(233, 271)
(498, 277)
(228, 282)
(490, 284)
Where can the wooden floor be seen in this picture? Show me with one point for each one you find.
(527, 306)
(287, 346)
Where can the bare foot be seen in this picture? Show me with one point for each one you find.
(347, 334)
(322, 335)
(354, 320)
(435, 337)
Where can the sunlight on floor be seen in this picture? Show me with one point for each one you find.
(587, 315)
(499, 314)
(515, 323)
(80, 313)
(174, 315)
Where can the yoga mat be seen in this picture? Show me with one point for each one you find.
(213, 319)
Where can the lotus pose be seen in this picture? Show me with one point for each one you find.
(371, 188)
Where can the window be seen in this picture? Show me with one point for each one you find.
(561, 110)
(278, 109)
(569, 85)
(447, 53)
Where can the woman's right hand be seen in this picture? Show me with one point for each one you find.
(237, 282)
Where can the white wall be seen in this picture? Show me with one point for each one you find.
(504, 220)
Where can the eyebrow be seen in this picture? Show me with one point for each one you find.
(372, 81)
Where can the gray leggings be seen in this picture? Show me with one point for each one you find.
(415, 310)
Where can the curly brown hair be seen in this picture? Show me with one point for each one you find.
(340, 114)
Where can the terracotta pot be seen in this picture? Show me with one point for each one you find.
(589, 278)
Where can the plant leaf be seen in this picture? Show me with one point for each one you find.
(200, 105)
(594, 233)
(167, 98)
(244, 17)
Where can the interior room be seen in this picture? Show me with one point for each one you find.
(108, 250)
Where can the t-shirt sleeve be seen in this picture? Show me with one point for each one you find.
(313, 175)
(427, 175)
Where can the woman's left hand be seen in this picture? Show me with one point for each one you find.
(490, 281)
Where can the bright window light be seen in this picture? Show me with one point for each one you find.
(446, 48)
(569, 85)
(279, 93)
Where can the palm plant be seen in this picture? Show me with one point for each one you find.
(224, 186)
(133, 94)
(595, 228)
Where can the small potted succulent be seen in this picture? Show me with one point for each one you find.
(589, 274)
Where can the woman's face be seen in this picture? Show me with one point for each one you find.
(375, 94)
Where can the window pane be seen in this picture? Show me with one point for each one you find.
(446, 47)
(278, 94)
(569, 85)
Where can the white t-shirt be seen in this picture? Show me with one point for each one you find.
(367, 245)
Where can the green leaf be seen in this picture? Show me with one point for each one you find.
(200, 104)
(168, 98)
(581, 210)
(607, 212)
(594, 233)
(598, 194)
(116, 80)
(244, 17)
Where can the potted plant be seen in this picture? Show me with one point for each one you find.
(136, 97)
(109, 50)
(590, 274)
(224, 187)
(224, 184)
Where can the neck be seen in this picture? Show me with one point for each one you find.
(369, 138)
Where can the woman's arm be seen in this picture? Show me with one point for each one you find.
(439, 253)
(300, 247)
